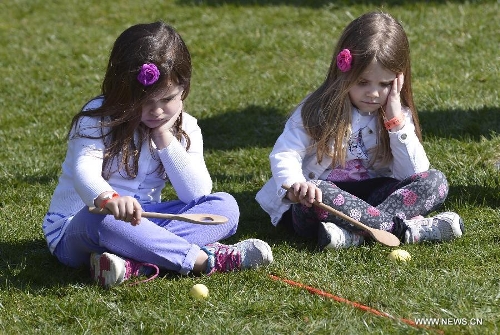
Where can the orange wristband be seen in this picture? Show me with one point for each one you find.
(394, 122)
(108, 198)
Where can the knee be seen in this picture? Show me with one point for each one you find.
(437, 175)
(226, 199)
(437, 180)
(226, 205)
(442, 182)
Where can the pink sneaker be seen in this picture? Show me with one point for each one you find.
(246, 254)
(110, 270)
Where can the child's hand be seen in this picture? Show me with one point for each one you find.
(393, 105)
(169, 123)
(305, 193)
(126, 209)
(162, 135)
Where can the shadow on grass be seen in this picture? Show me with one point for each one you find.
(29, 266)
(461, 124)
(257, 126)
(308, 3)
(477, 195)
(253, 126)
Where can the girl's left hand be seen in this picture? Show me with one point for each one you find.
(393, 105)
(162, 135)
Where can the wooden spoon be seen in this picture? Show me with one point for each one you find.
(207, 219)
(378, 235)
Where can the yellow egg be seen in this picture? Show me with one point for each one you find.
(399, 255)
(199, 291)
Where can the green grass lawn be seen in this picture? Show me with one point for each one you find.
(253, 61)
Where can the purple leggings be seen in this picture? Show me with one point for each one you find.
(171, 245)
(380, 203)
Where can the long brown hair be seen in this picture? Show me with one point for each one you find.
(123, 94)
(326, 113)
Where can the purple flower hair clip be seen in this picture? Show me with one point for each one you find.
(344, 60)
(149, 74)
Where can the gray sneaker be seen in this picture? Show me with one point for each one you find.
(442, 227)
(331, 236)
(247, 254)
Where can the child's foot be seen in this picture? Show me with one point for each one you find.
(109, 270)
(442, 227)
(331, 236)
(246, 254)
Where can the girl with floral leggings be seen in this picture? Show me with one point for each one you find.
(355, 144)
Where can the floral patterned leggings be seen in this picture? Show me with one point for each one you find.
(381, 203)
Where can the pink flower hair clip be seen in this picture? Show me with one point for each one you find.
(344, 60)
(149, 74)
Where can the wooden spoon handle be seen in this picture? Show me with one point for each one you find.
(341, 215)
(378, 235)
(206, 219)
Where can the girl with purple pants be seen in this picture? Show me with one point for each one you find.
(124, 146)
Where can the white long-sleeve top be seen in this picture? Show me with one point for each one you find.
(293, 159)
(81, 181)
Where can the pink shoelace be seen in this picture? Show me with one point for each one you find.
(227, 258)
(132, 268)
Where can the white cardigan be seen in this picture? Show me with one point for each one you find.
(81, 181)
(293, 159)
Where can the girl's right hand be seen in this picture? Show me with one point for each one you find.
(125, 209)
(304, 193)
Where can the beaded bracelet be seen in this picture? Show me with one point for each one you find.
(394, 122)
(108, 198)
